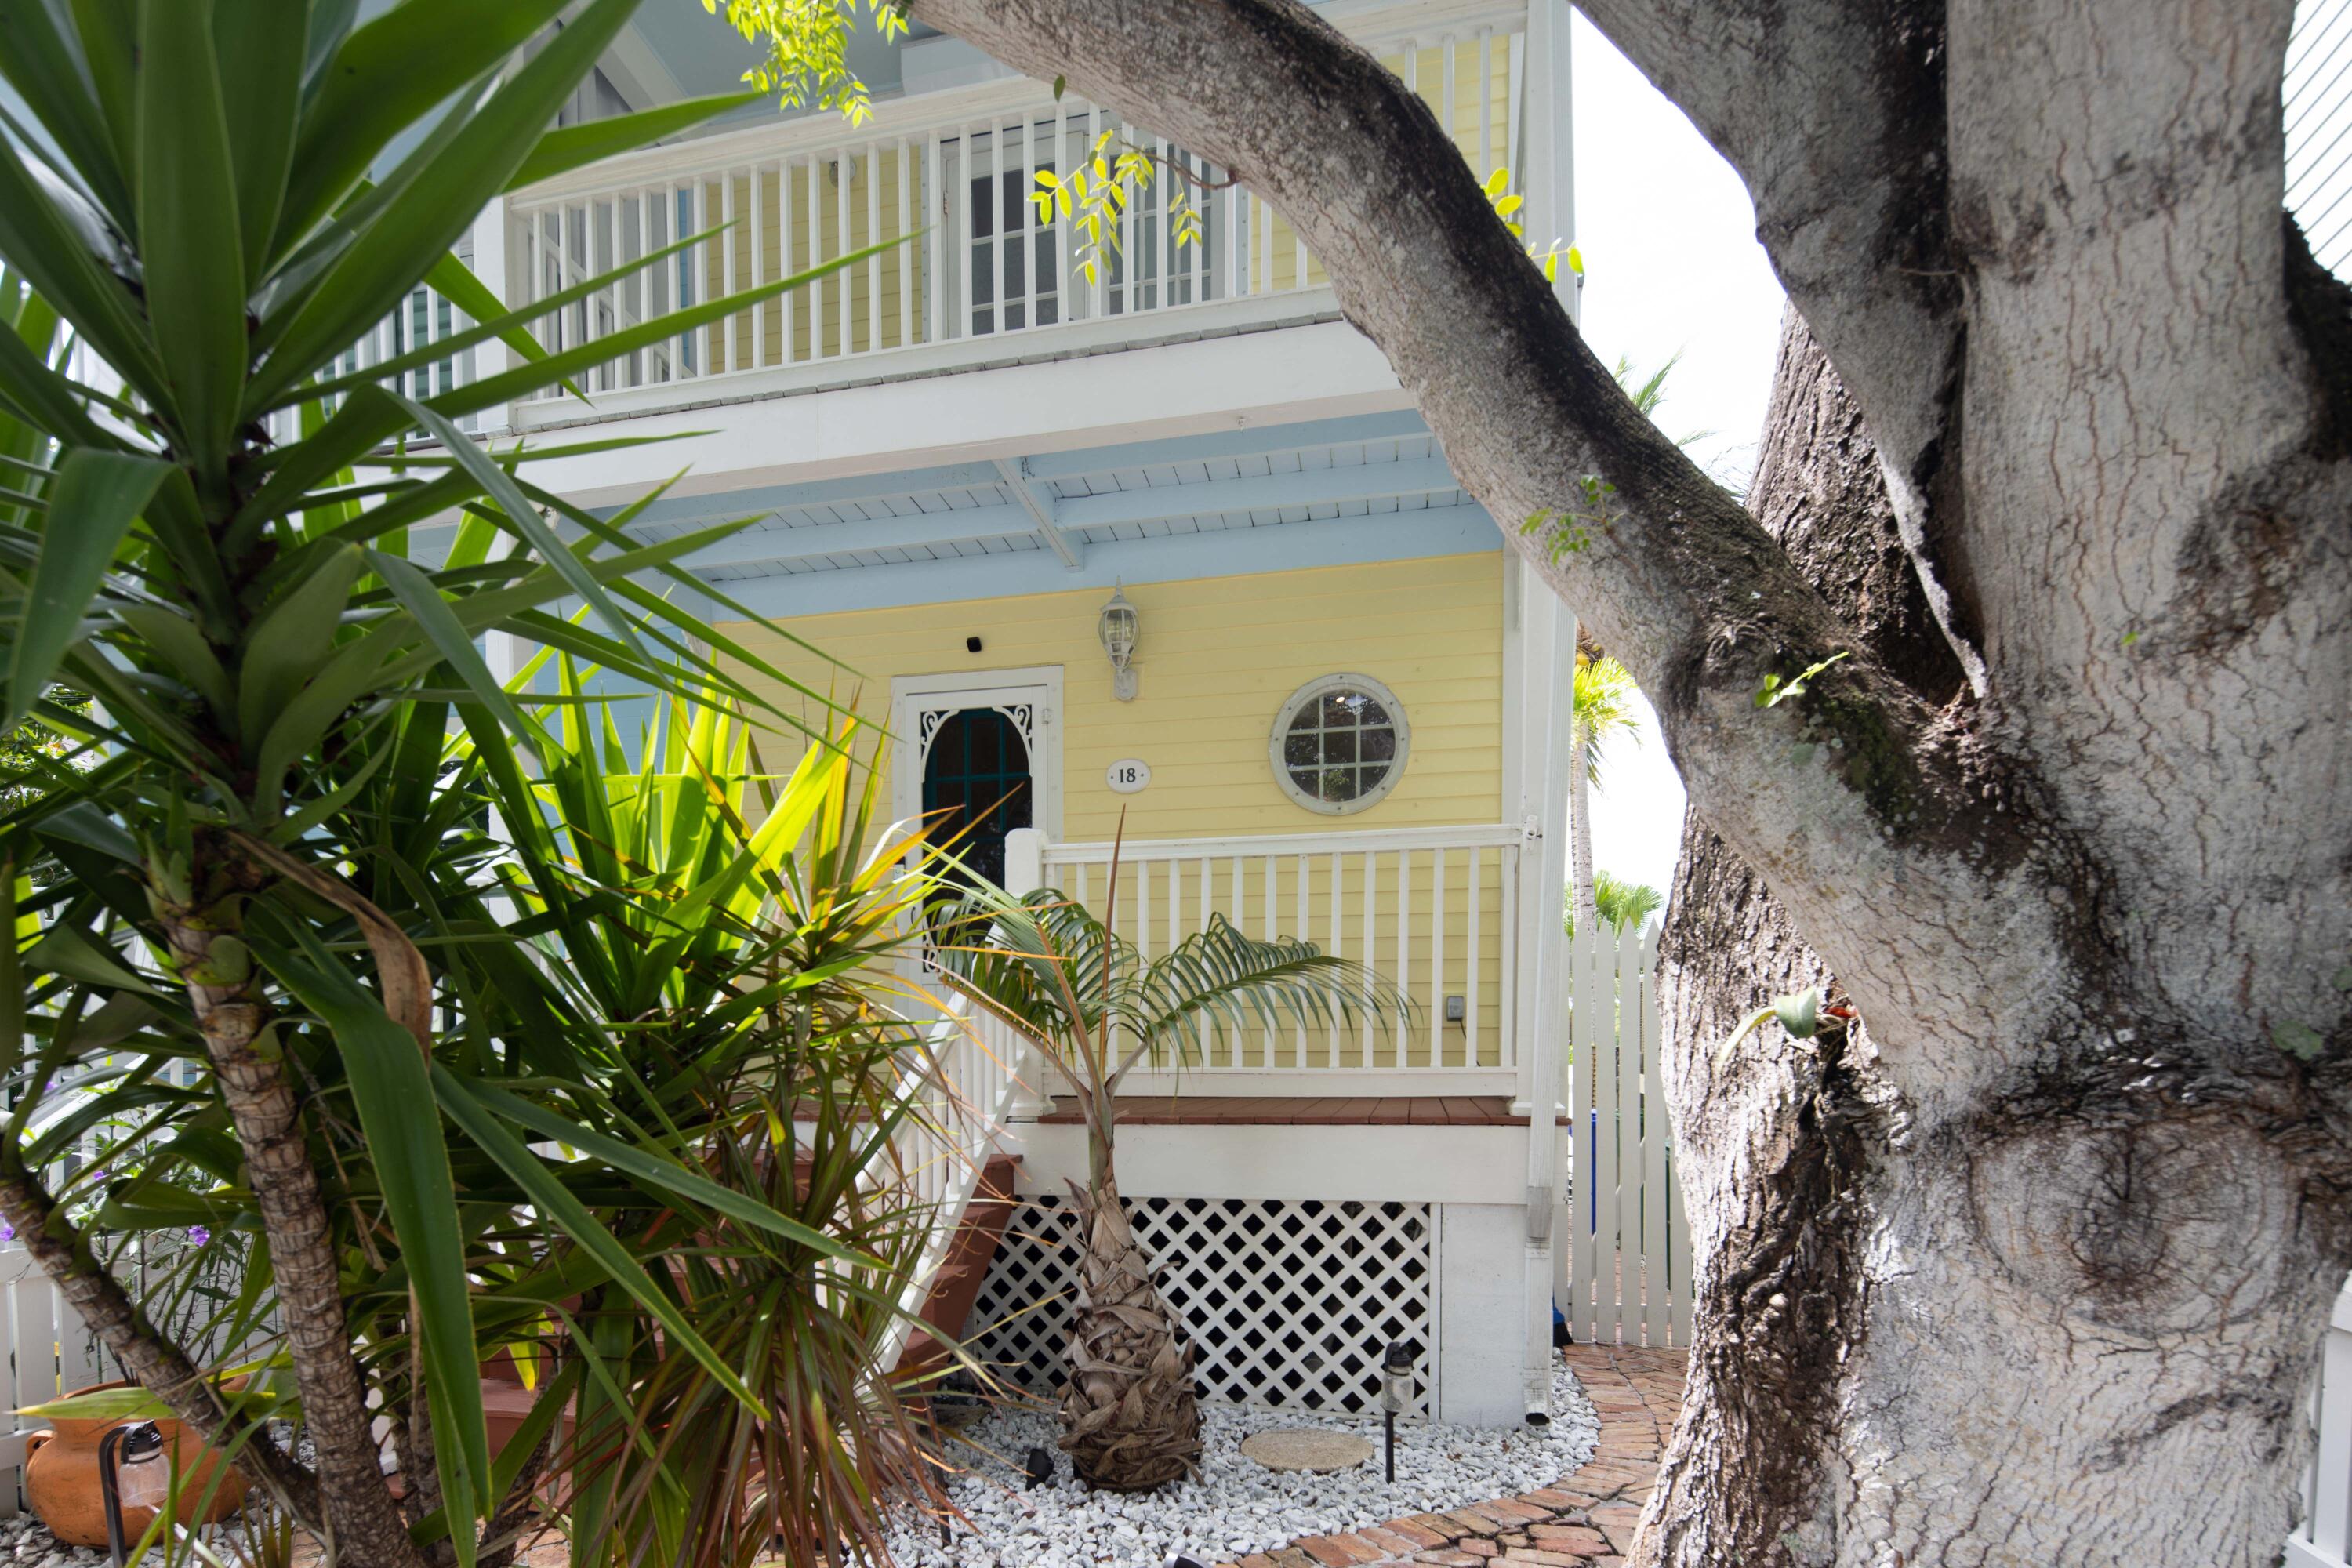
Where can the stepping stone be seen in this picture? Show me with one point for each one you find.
(1306, 1449)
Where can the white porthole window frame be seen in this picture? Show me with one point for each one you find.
(1315, 691)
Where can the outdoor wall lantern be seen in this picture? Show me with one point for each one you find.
(1117, 627)
(1396, 1388)
(131, 1473)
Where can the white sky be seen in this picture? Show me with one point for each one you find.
(1670, 265)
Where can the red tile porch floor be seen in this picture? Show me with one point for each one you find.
(1582, 1521)
(1275, 1110)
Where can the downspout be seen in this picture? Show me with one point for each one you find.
(1547, 148)
(1546, 824)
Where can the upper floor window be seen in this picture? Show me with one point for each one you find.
(1339, 743)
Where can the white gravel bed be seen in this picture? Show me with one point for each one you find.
(26, 1541)
(1234, 1506)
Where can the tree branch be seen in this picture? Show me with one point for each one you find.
(1849, 798)
(160, 1366)
(1832, 112)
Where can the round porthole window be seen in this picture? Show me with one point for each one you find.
(1339, 743)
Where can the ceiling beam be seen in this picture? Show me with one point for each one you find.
(1042, 505)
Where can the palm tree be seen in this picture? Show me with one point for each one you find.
(1624, 904)
(1602, 706)
(1081, 993)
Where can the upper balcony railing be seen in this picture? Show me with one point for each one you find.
(980, 277)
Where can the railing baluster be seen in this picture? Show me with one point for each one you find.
(1507, 961)
(1161, 246)
(1273, 920)
(724, 361)
(965, 236)
(816, 257)
(934, 279)
(1228, 205)
(640, 284)
(764, 308)
(844, 166)
(1437, 957)
(1472, 964)
(1305, 876)
(1098, 298)
(1208, 878)
(1338, 943)
(1371, 905)
(873, 268)
(1241, 923)
(902, 257)
(1445, 91)
(1143, 909)
(1403, 975)
(1486, 109)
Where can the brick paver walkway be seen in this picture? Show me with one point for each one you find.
(1583, 1521)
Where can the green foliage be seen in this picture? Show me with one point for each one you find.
(311, 860)
(808, 48)
(1603, 697)
(1506, 204)
(1624, 904)
(1081, 993)
(1775, 691)
(1095, 194)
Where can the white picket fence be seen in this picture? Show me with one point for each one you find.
(1625, 1276)
(49, 1352)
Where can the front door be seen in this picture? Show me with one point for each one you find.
(977, 787)
(978, 756)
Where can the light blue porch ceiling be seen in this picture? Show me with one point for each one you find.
(1368, 487)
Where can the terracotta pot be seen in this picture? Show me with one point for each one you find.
(61, 1478)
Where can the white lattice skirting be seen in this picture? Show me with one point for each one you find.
(1290, 1304)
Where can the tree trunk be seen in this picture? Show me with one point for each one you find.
(1131, 1418)
(1885, 1366)
(250, 1067)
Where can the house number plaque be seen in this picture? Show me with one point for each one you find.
(1128, 775)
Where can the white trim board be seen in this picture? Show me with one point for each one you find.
(1339, 1163)
(911, 696)
(1203, 387)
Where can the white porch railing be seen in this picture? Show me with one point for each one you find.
(1437, 911)
(951, 172)
(963, 1101)
(425, 317)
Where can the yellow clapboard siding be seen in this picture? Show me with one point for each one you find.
(1216, 659)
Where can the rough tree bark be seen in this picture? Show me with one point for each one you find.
(1777, 1144)
(2095, 905)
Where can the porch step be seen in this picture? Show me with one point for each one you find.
(958, 1282)
(1279, 1111)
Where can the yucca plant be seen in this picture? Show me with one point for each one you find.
(1070, 985)
(272, 836)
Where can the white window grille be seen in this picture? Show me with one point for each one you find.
(1288, 1304)
(1340, 744)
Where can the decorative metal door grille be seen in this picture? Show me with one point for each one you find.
(1288, 1303)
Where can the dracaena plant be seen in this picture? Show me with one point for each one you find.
(273, 860)
(758, 1020)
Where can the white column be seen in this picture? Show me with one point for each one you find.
(1530, 692)
(1025, 873)
(490, 266)
(1546, 136)
(1546, 880)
